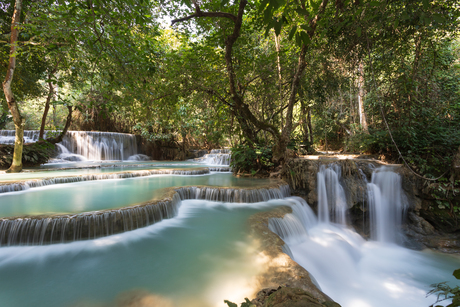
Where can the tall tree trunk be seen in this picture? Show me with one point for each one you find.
(306, 132)
(18, 120)
(310, 126)
(278, 62)
(307, 127)
(47, 107)
(280, 148)
(362, 114)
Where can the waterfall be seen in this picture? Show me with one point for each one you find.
(30, 136)
(386, 206)
(101, 145)
(351, 270)
(87, 144)
(90, 225)
(332, 204)
(217, 157)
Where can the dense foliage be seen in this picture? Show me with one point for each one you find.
(252, 159)
(311, 75)
(33, 154)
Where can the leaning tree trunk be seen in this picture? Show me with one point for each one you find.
(18, 120)
(59, 138)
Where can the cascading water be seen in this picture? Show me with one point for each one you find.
(352, 271)
(81, 145)
(217, 157)
(332, 204)
(30, 136)
(386, 208)
(66, 155)
(101, 145)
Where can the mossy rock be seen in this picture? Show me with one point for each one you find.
(295, 297)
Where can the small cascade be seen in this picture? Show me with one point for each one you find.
(289, 229)
(139, 157)
(217, 157)
(66, 155)
(34, 183)
(293, 228)
(220, 169)
(332, 204)
(303, 212)
(30, 136)
(101, 145)
(386, 205)
(234, 195)
(91, 225)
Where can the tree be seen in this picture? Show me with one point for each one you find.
(16, 166)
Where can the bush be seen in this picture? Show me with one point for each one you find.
(32, 155)
(251, 158)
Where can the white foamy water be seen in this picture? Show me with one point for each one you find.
(359, 273)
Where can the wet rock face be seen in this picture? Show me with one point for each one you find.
(301, 174)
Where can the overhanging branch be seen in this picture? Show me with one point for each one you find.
(200, 13)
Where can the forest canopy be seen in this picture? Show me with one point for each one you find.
(262, 76)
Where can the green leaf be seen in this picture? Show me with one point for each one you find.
(224, 2)
(439, 18)
(301, 11)
(315, 5)
(292, 32)
(305, 38)
(277, 26)
(457, 274)
(298, 39)
(426, 4)
(267, 16)
(306, 27)
(263, 5)
(396, 23)
(358, 31)
(230, 304)
(375, 3)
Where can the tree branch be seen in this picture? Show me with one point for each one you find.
(199, 13)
